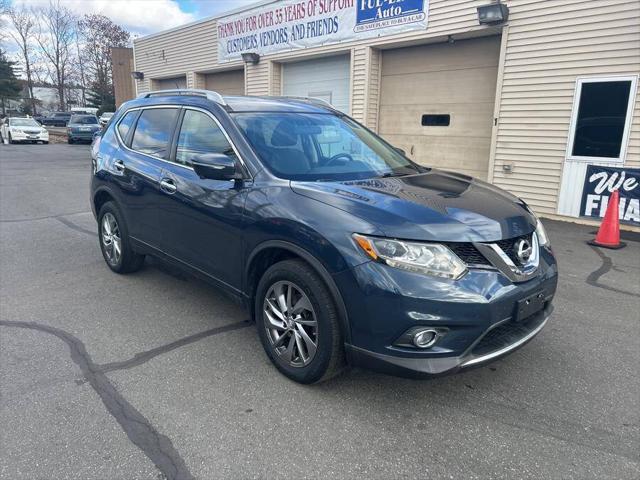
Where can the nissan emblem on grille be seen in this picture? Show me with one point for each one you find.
(523, 250)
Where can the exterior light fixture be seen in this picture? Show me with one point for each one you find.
(250, 57)
(493, 14)
(137, 75)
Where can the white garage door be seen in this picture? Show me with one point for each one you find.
(169, 83)
(325, 78)
(226, 83)
(437, 103)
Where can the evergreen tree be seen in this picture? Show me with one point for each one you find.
(10, 86)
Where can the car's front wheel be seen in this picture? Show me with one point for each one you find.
(297, 322)
(114, 241)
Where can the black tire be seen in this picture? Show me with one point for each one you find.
(128, 261)
(328, 360)
(70, 141)
(11, 140)
(45, 143)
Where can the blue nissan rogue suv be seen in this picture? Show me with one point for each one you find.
(343, 249)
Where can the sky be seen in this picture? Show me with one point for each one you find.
(143, 17)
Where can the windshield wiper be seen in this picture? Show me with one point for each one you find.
(393, 174)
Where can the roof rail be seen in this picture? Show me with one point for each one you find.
(317, 101)
(209, 94)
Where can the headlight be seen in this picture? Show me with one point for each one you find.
(543, 238)
(430, 258)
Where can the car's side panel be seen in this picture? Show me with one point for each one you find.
(136, 178)
(202, 222)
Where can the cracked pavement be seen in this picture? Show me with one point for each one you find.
(156, 375)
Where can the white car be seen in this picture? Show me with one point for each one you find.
(23, 129)
(105, 117)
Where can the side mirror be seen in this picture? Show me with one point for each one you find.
(400, 151)
(215, 166)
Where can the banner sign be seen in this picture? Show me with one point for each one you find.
(293, 24)
(599, 182)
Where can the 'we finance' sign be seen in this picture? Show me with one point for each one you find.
(600, 182)
(295, 24)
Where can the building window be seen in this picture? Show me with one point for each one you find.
(601, 120)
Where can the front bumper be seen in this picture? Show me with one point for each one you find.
(477, 314)
(29, 137)
(429, 367)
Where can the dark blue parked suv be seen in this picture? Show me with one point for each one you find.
(342, 248)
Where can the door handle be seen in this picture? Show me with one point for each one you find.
(119, 166)
(167, 185)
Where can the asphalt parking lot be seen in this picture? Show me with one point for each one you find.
(155, 375)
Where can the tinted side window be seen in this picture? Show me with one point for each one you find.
(153, 131)
(125, 125)
(601, 119)
(200, 134)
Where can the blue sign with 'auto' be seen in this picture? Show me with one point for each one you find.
(381, 10)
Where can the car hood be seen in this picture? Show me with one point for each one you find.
(436, 206)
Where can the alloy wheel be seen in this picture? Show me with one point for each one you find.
(111, 240)
(291, 323)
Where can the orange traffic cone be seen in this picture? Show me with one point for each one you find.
(608, 235)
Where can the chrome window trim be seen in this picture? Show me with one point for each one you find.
(178, 107)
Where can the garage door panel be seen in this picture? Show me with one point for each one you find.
(465, 54)
(462, 154)
(477, 85)
(325, 78)
(226, 83)
(458, 80)
(466, 119)
(170, 83)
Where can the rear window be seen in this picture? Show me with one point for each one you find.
(84, 119)
(153, 131)
(125, 124)
(23, 122)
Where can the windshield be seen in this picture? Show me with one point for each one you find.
(83, 120)
(316, 147)
(23, 122)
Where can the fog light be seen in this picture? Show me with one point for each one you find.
(425, 338)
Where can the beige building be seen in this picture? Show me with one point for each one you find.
(527, 103)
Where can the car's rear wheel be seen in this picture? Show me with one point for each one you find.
(70, 141)
(114, 241)
(297, 322)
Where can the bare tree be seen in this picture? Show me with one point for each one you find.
(56, 34)
(100, 35)
(24, 23)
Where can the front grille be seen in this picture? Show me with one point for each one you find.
(468, 254)
(508, 247)
(506, 334)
